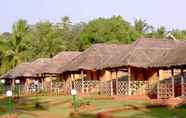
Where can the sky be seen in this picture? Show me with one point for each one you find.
(168, 13)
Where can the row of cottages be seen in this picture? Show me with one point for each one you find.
(147, 67)
(39, 74)
(150, 67)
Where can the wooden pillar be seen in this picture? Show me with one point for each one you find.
(71, 79)
(111, 84)
(42, 83)
(129, 81)
(82, 81)
(51, 87)
(158, 84)
(13, 84)
(182, 83)
(172, 78)
(73, 82)
(117, 82)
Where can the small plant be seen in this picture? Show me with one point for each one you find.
(39, 106)
(84, 103)
(1, 88)
(156, 106)
(182, 106)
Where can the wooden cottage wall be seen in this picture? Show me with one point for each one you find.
(152, 75)
(165, 74)
(136, 74)
(88, 75)
(122, 75)
(140, 74)
(105, 75)
(77, 76)
(67, 76)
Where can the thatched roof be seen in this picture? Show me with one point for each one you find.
(38, 64)
(143, 53)
(21, 70)
(41, 65)
(98, 56)
(26, 69)
(173, 58)
(58, 61)
(150, 53)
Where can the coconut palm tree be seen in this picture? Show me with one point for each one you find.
(142, 26)
(14, 47)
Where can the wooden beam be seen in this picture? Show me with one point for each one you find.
(129, 79)
(42, 83)
(71, 78)
(73, 81)
(51, 87)
(82, 81)
(172, 78)
(111, 84)
(13, 84)
(117, 82)
(158, 84)
(182, 83)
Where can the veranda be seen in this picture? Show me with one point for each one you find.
(154, 83)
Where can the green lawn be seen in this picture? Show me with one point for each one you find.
(60, 106)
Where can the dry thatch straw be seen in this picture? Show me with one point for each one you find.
(174, 58)
(143, 53)
(97, 57)
(21, 70)
(25, 70)
(150, 53)
(58, 61)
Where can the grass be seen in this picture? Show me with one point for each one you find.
(60, 106)
(153, 113)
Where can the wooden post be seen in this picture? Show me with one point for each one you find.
(129, 79)
(42, 83)
(51, 87)
(116, 82)
(158, 84)
(172, 78)
(71, 79)
(111, 84)
(82, 81)
(13, 84)
(182, 83)
(73, 82)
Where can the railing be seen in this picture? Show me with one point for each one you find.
(54, 88)
(108, 88)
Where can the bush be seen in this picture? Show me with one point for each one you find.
(182, 106)
(41, 106)
(156, 106)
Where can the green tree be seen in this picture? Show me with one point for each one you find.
(179, 34)
(13, 48)
(69, 33)
(159, 33)
(142, 27)
(114, 29)
(43, 40)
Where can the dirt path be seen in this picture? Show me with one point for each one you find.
(45, 114)
(39, 115)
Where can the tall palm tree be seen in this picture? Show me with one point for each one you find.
(14, 47)
(142, 26)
